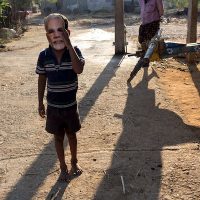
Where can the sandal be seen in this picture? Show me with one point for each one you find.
(64, 176)
(76, 169)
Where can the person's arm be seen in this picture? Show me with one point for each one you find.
(41, 90)
(77, 63)
(160, 7)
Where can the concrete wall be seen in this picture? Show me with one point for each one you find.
(78, 6)
(74, 5)
(97, 5)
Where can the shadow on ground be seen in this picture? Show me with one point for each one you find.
(27, 186)
(195, 74)
(193, 69)
(147, 129)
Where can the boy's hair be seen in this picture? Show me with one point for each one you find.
(55, 16)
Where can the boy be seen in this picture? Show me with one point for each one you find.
(58, 65)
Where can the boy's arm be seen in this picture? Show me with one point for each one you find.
(160, 7)
(41, 90)
(77, 63)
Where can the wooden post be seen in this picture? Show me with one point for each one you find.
(192, 25)
(119, 27)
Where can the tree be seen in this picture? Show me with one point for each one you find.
(21, 5)
(5, 16)
(179, 3)
(52, 1)
(3, 5)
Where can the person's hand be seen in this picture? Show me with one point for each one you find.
(41, 110)
(66, 38)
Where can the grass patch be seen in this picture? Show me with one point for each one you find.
(3, 41)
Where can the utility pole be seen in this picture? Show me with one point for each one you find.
(119, 27)
(192, 21)
(192, 25)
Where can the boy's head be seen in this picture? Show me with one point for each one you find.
(55, 25)
(56, 16)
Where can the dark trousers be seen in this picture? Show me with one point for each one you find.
(147, 31)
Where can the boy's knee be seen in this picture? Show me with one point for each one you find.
(59, 138)
(71, 136)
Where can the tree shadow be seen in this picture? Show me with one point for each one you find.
(147, 130)
(195, 74)
(36, 174)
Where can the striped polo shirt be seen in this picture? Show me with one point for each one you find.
(62, 81)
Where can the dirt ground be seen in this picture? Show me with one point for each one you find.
(146, 134)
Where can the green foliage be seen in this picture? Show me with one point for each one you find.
(179, 3)
(46, 1)
(3, 5)
(37, 1)
(21, 4)
(52, 1)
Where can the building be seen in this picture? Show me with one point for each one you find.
(80, 6)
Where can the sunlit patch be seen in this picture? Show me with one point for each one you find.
(96, 35)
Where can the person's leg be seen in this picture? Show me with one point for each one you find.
(72, 126)
(141, 34)
(60, 150)
(75, 168)
(54, 125)
(73, 145)
(151, 29)
(59, 139)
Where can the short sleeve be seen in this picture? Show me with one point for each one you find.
(79, 53)
(40, 65)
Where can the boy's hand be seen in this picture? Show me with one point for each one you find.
(41, 110)
(66, 38)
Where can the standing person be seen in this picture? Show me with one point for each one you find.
(151, 12)
(58, 66)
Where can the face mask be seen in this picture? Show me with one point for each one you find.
(55, 37)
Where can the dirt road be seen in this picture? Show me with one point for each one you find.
(146, 134)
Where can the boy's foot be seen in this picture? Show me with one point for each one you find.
(76, 169)
(64, 176)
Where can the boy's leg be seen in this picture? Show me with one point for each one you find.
(54, 125)
(61, 157)
(75, 168)
(60, 150)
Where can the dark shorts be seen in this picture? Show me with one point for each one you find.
(60, 121)
(147, 31)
